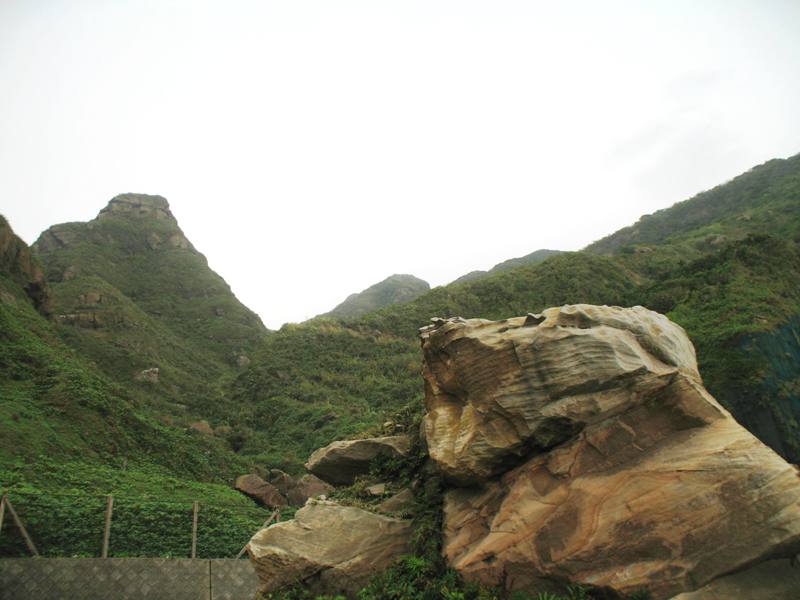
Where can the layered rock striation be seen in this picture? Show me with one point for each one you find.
(584, 449)
(329, 548)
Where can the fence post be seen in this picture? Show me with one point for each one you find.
(195, 509)
(2, 511)
(18, 522)
(276, 515)
(107, 528)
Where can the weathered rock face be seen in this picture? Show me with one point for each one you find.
(138, 205)
(260, 491)
(617, 469)
(17, 261)
(341, 462)
(329, 548)
(496, 390)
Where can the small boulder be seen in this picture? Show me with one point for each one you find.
(297, 491)
(328, 548)
(401, 502)
(260, 491)
(379, 489)
(149, 375)
(341, 462)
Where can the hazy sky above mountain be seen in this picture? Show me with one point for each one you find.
(312, 148)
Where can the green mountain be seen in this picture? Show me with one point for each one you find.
(69, 434)
(131, 293)
(723, 264)
(395, 289)
(511, 263)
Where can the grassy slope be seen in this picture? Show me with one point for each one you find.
(69, 435)
(161, 307)
(698, 265)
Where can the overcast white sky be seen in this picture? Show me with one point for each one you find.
(312, 148)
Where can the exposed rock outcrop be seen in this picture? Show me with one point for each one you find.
(328, 548)
(616, 468)
(17, 261)
(151, 376)
(259, 490)
(341, 462)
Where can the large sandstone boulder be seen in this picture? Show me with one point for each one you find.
(259, 490)
(497, 390)
(341, 462)
(595, 456)
(329, 548)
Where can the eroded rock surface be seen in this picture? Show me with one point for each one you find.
(616, 468)
(496, 390)
(341, 462)
(329, 548)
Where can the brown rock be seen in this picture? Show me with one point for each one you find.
(328, 548)
(260, 491)
(341, 462)
(494, 390)
(298, 491)
(401, 502)
(18, 263)
(635, 477)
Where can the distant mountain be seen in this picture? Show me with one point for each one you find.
(511, 263)
(395, 289)
(133, 294)
(725, 265)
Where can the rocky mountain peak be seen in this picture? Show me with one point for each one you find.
(138, 205)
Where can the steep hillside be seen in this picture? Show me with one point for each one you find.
(766, 199)
(708, 265)
(395, 289)
(68, 435)
(511, 263)
(132, 293)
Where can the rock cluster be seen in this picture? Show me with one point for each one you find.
(579, 446)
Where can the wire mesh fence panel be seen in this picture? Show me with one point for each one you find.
(72, 525)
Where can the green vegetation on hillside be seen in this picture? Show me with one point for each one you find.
(131, 293)
(69, 435)
(709, 263)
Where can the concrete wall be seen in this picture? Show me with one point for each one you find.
(126, 578)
